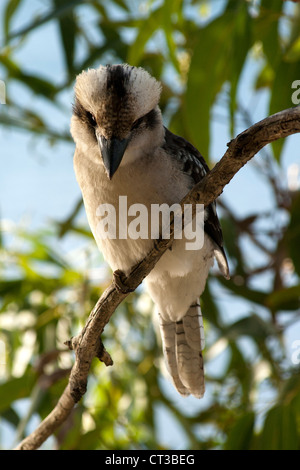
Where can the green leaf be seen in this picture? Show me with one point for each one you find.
(31, 122)
(146, 30)
(280, 430)
(122, 4)
(114, 44)
(10, 416)
(253, 295)
(10, 287)
(267, 29)
(210, 59)
(293, 53)
(241, 435)
(68, 223)
(284, 299)
(293, 233)
(14, 389)
(36, 84)
(253, 326)
(11, 8)
(281, 95)
(210, 307)
(68, 29)
(265, 77)
(170, 8)
(154, 63)
(53, 14)
(290, 392)
(239, 368)
(231, 236)
(241, 44)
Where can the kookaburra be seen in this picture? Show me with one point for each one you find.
(123, 149)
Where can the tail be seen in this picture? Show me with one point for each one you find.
(183, 342)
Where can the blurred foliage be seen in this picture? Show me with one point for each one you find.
(253, 398)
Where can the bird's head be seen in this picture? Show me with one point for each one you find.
(116, 109)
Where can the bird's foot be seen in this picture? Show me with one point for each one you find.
(120, 282)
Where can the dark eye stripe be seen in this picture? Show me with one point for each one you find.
(137, 123)
(150, 119)
(91, 118)
(83, 114)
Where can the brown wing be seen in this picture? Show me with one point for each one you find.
(192, 163)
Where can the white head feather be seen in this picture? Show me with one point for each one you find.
(117, 96)
(93, 91)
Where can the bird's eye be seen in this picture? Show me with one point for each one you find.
(91, 118)
(136, 123)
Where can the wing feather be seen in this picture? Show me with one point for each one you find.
(192, 163)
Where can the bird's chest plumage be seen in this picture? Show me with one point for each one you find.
(125, 202)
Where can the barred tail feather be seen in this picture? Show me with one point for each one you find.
(168, 333)
(183, 342)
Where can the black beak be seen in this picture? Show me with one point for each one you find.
(112, 151)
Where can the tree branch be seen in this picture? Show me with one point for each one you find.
(88, 344)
